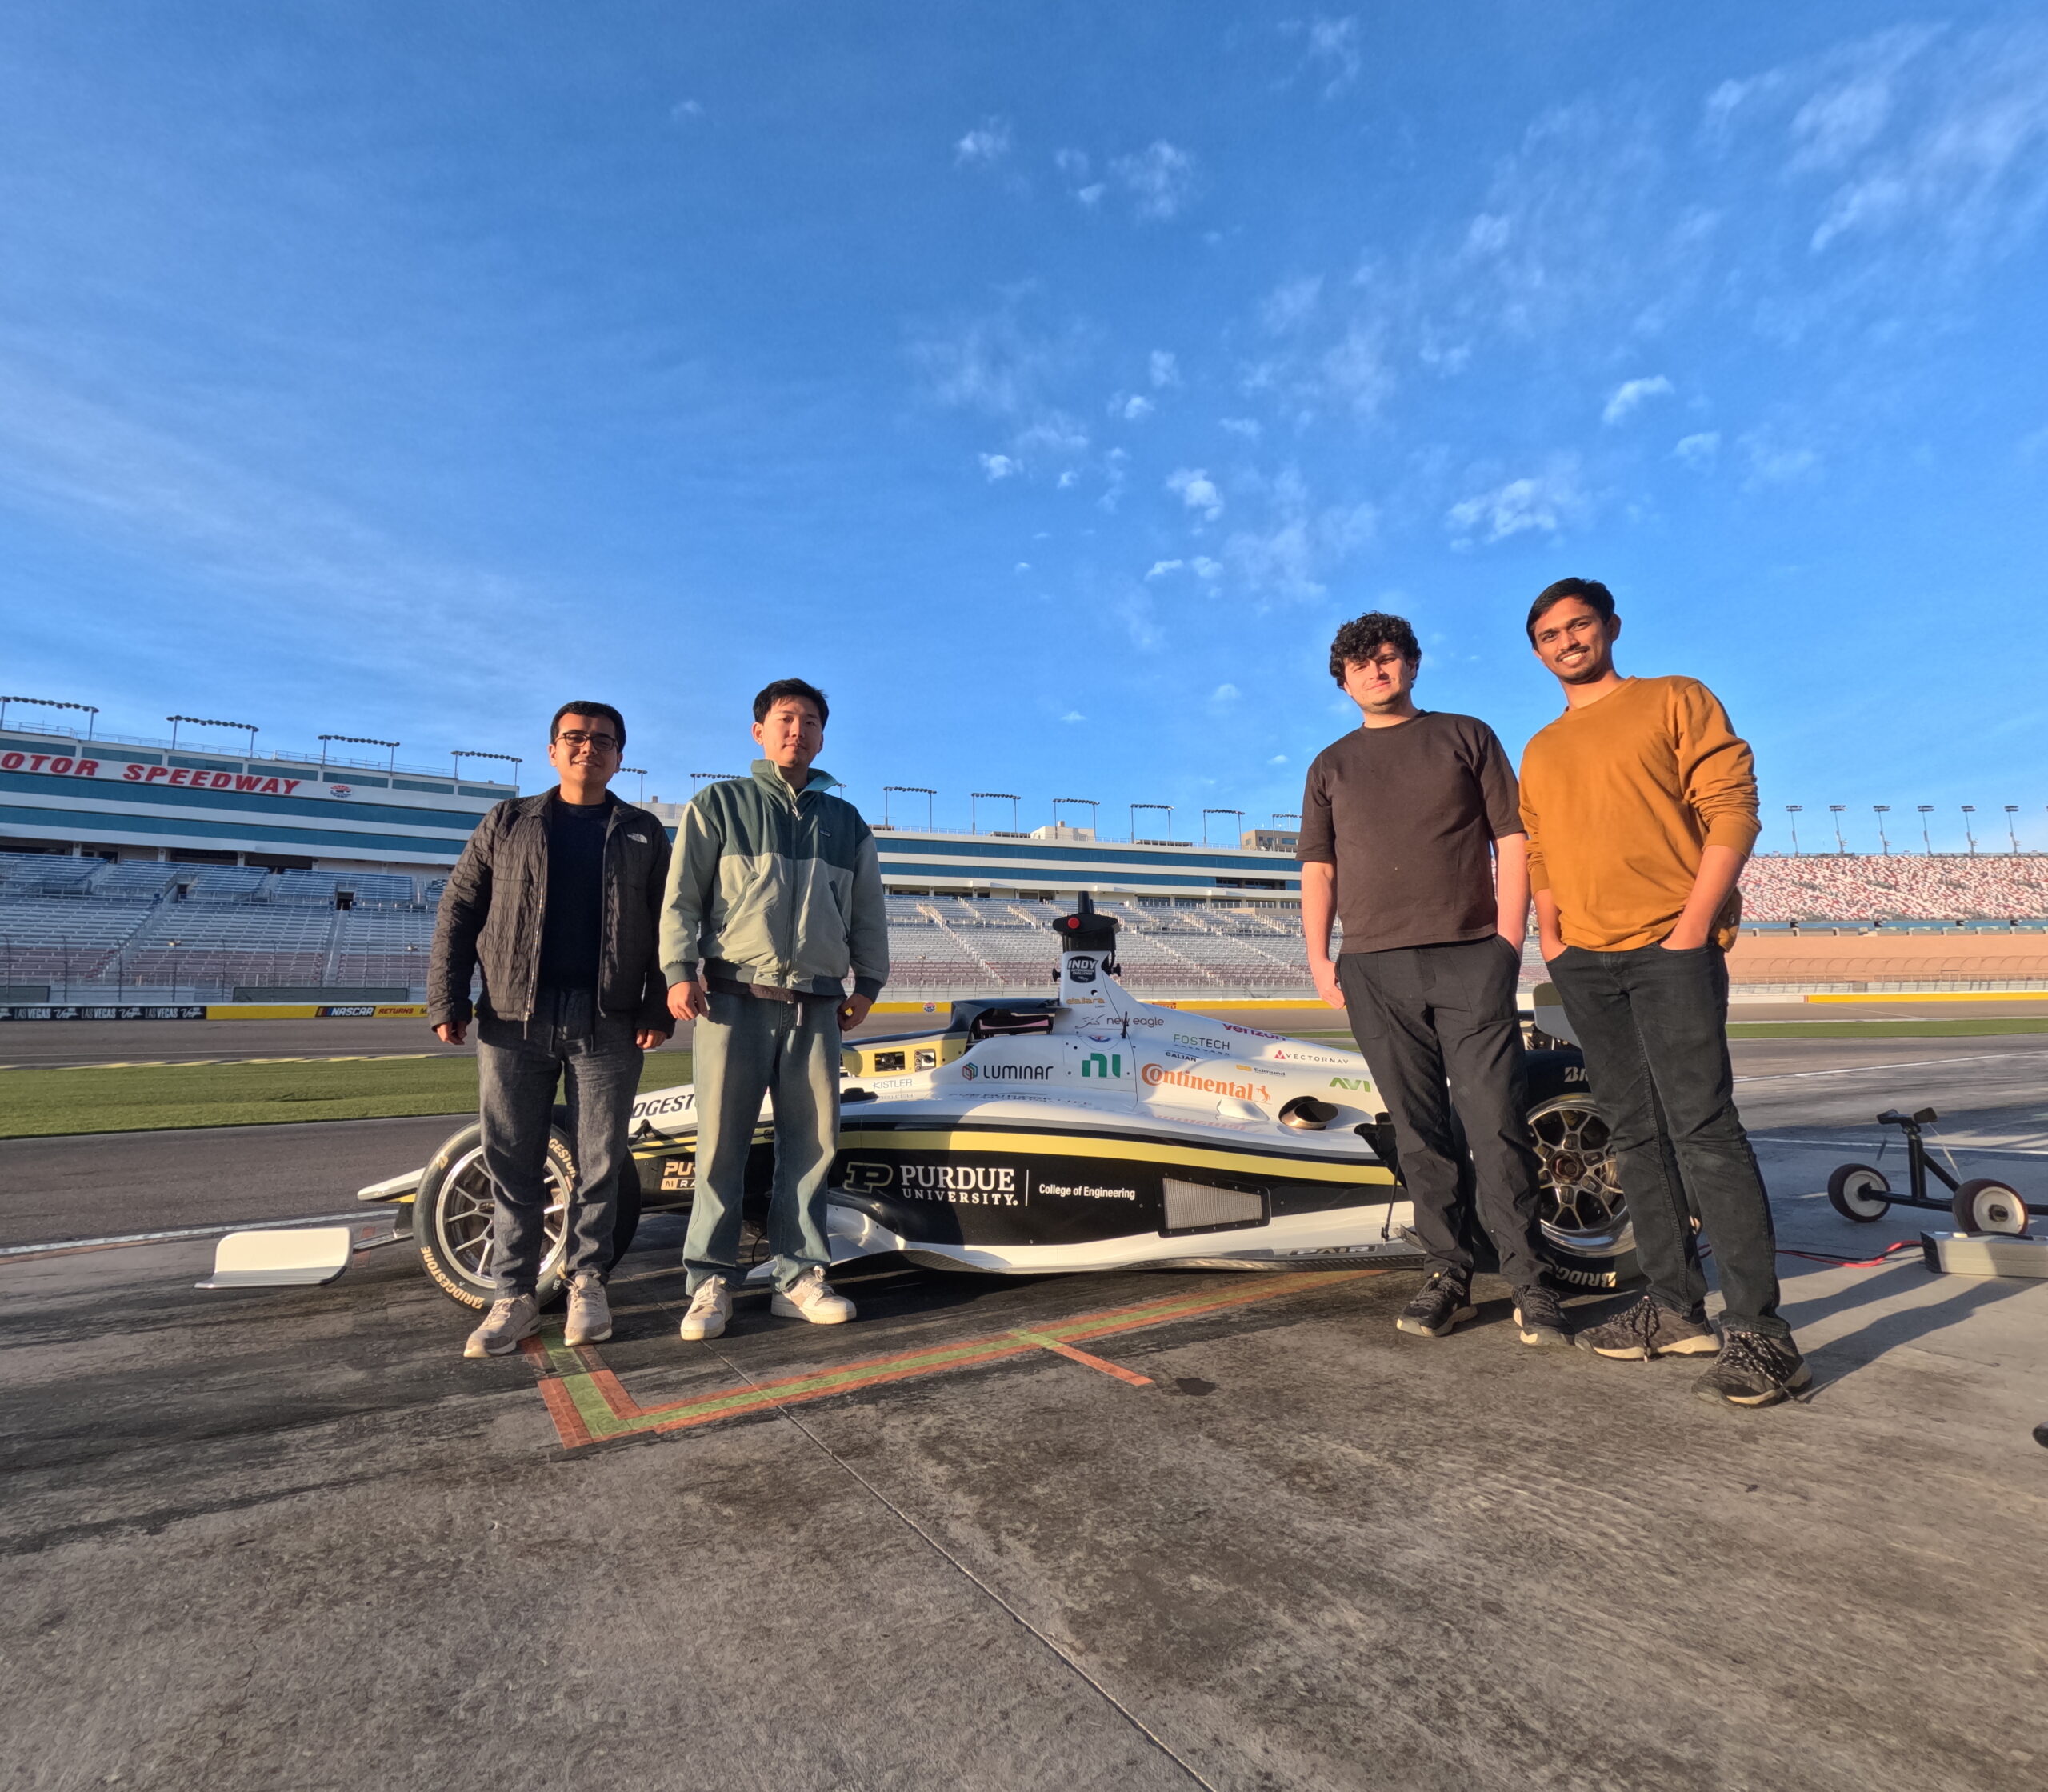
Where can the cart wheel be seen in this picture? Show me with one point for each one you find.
(1857, 1192)
(1984, 1206)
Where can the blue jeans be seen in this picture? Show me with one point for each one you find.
(518, 1064)
(748, 1048)
(1653, 1026)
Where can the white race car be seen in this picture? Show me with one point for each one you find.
(1085, 1131)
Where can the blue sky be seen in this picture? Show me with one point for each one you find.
(1047, 383)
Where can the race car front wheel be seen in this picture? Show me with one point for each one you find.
(452, 1215)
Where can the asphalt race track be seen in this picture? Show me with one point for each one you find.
(1172, 1530)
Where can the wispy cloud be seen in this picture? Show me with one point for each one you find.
(1159, 178)
(1545, 501)
(999, 467)
(989, 142)
(1632, 393)
(1699, 452)
(1332, 48)
(1290, 304)
(1132, 407)
(1164, 368)
(1298, 542)
(1196, 490)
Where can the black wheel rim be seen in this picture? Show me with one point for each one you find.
(1580, 1206)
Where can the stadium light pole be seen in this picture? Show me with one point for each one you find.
(1881, 809)
(1795, 810)
(91, 710)
(1088, 803)
(1207, 813)
(210, 721)
(1969, 829)
(976, 798)
(639, 772)
(1926, 809)
(391, 765)
(1840, 845)
(1167, 807)
(511, 759)
(1280, 815)
(930, 797)
(698, 777)
(2012, 826)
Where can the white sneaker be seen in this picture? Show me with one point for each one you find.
(590, 1313)
(810, 1297)
(518, 1316)
(709, 1308)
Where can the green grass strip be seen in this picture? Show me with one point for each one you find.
(42, 1104)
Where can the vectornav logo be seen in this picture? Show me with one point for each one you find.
(1153, 1075)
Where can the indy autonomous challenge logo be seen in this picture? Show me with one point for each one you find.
(1005, 1072)
(1081, 971)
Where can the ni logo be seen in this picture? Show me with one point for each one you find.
(1102, 1064)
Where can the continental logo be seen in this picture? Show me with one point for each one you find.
(1154, 1075)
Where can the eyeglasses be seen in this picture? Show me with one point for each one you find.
(574, 738)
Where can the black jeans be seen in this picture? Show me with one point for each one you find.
(518, 1064)
(1653, 1026)
(1430, 1016)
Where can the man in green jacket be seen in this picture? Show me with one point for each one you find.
(774, 897)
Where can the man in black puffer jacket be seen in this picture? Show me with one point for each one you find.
(556, 899)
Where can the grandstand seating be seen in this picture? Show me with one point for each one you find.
(81, 921)
(1946, 887)
(135, 880)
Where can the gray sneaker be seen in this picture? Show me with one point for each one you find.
(517, 1316)
(1539, 1318)
(590, 1313)
(810, 1297)
(1645, 1330)
(1754, 1370)
(709, 1308)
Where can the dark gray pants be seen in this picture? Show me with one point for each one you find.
(1439, 1026)
(593, 1055)
(1653, 1026)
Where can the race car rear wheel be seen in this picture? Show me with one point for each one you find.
(1584, 1217)
(452, 1215)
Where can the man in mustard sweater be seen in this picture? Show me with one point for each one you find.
(1640, 802)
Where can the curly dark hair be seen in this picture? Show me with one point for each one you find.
(1363, 637)
(767, 698)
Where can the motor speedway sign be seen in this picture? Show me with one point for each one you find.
(183, 777)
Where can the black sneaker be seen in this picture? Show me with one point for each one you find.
(1649, 1329)
(1444, 1304)
(1539, 1317)
(1754, 1370)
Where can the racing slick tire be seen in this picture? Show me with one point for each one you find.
(452, 1214)
(1581, 1210)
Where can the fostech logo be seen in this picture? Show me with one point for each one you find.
(1154, 1075)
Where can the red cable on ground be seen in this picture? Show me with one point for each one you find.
(1851, 1263)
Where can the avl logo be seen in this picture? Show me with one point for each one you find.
(1102, 1064)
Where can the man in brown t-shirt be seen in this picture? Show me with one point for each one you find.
(1411, 834)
